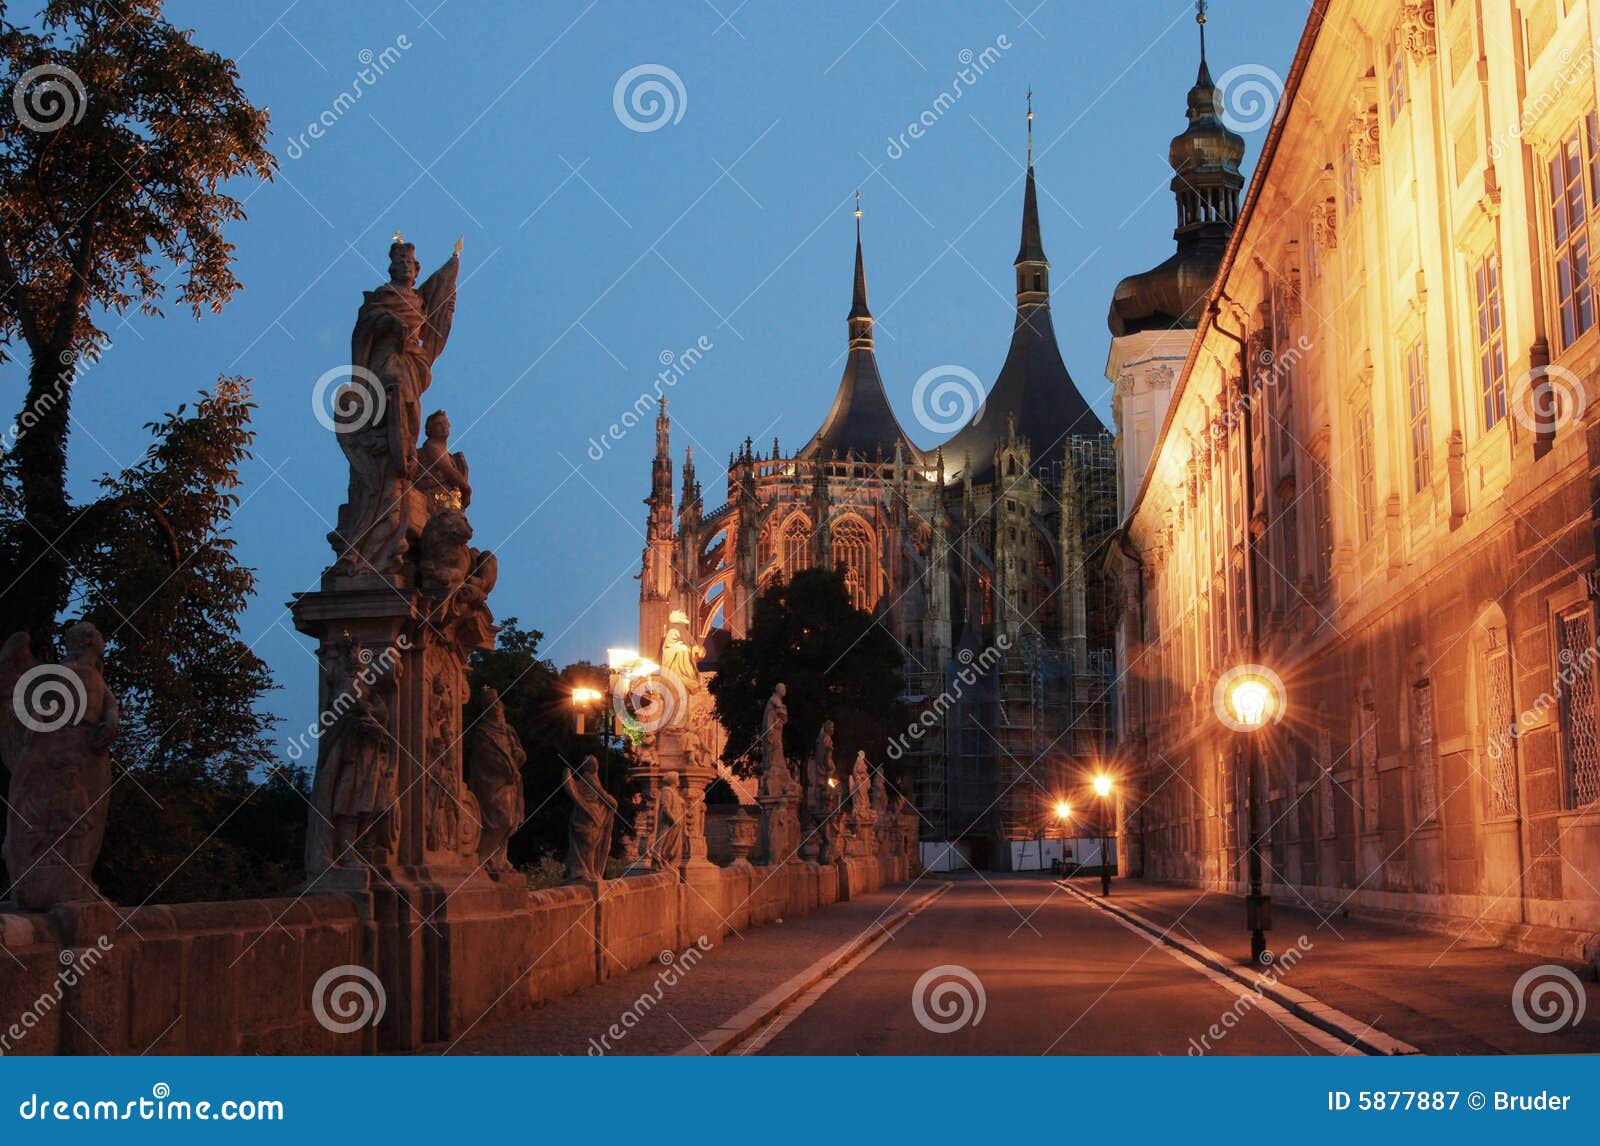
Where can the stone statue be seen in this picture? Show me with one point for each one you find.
(678, 662)
(880, 795)
(821, 786)
(57, 722)
(860, 787)
(400, 332)
(776, 778)
(460, 577)
(354, 793)
(494, 773)
(442, 475)
(666, 851)
(589, 828)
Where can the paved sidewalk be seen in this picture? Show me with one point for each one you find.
(733, 975)
(1442, 995)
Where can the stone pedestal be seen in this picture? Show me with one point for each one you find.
(742, 836)
(862, 839)
(780, 828)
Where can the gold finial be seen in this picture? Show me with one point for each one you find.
(1030, 125)
(1200, 7)
(858, 202)
(398, 237)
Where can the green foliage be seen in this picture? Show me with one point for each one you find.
(538, 704)
(838, 662)
(154, 569)
(114, 190)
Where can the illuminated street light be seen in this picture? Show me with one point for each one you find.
(619, 659)
(1102, 785)
(586, 696)
(1252, 701)
(1063, 810)
(1102, 789)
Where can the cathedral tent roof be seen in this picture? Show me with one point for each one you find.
(1034, 388)
(861, 420)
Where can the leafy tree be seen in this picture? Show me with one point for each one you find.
(112, 163)
(193, 813)
(538, 704)
(839, 664)
(155, 571)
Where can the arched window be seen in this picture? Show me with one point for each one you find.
(796, 544)
(853, 549)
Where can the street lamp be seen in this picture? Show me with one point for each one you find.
(1253, 696)
(1064, 814)
(1102, 789)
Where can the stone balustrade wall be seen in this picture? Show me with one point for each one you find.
(242, 977)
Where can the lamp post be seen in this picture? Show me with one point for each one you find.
(585, 701)
(1064, 814)
(1102, 789)
(1254, 701)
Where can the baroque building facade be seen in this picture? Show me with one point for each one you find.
(1389, 384)
(983, 557)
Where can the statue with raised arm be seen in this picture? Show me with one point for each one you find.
(495, 757)
(400, 332)
(589, 827)
(57, 722)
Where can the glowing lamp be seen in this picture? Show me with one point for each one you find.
(1063, 810)
(1251, 700)
(1102, 785)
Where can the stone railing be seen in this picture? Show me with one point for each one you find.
(356, 972)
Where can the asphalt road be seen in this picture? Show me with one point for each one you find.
(1054, 976)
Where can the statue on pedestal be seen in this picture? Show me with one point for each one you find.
(495, 758)
(678, 665)
(400, 332)
(57, 722)
(775, 776)
(589, 827)
(860, 787)
(353, 814)
(666, 851)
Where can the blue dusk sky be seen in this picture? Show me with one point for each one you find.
(594, 250)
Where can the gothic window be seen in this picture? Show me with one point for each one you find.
(1417, 410)
(796, 545)
(1498, 736)
(1580, 740)
(1569, 168)
(1491, 340)
(852, 550)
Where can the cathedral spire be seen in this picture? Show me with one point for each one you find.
(860, 316)
(1033, 269)
(1200, 18)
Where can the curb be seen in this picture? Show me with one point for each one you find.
(1362, 1036)
(735, 1030)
